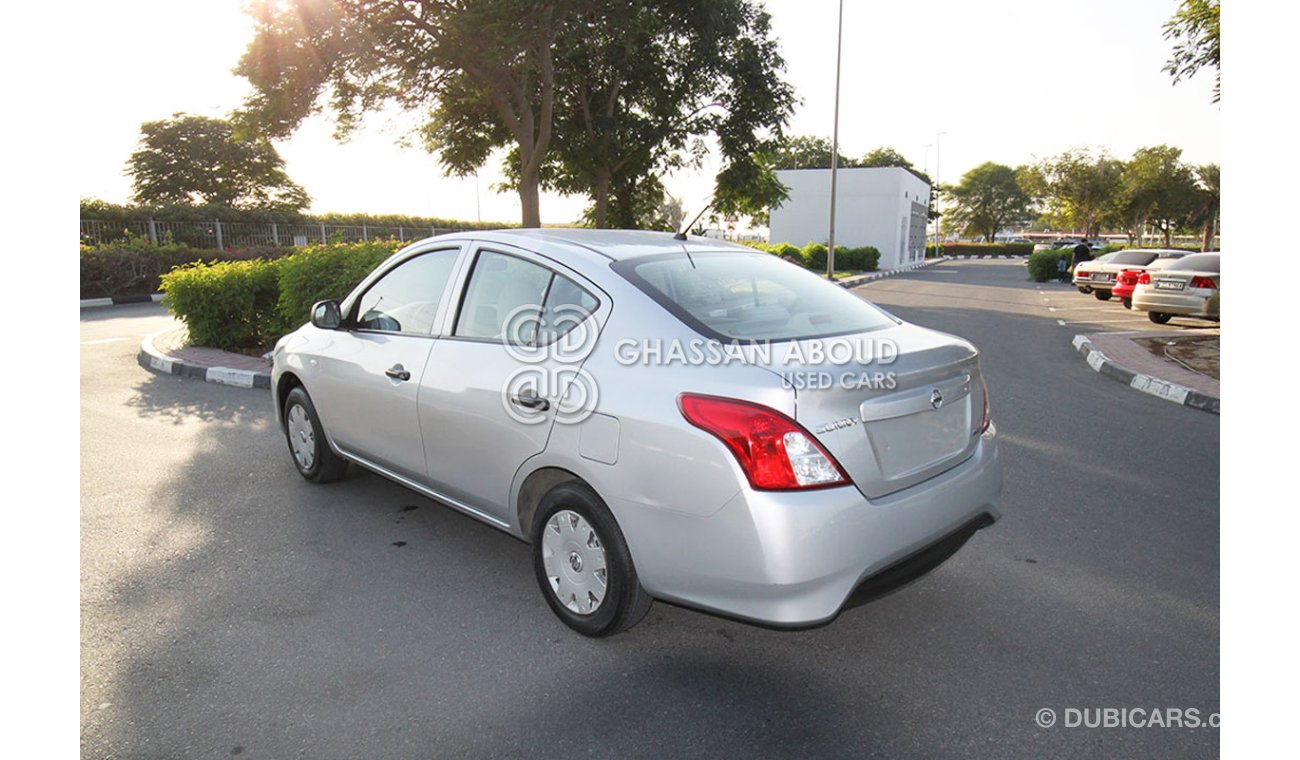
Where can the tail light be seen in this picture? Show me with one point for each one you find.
(1081, 273)
(1202, 282)
(1144, 279)
(773, 450)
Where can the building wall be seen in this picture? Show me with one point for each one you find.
(880, 206)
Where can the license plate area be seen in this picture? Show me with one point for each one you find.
(1169, 285)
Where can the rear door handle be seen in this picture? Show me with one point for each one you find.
(397, 372)
(530, 401)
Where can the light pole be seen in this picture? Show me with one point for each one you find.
(938, 219)
(835, 145)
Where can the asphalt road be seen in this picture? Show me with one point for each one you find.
(230, 608)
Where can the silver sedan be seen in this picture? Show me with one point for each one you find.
(1188, 288)
(658, 417)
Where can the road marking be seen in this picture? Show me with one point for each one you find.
(102, 340)
(1061, 322)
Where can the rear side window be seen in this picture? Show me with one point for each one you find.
(511, 299)
(1197, 262)
(750, 297)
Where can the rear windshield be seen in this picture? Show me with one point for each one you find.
(1197, 262)
(737, 296)
(1134, 257)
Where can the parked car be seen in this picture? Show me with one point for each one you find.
(1127, 279)
(1098, 276)
(751, 488)
(1185, 288)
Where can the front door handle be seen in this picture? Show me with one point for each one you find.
(530, 400)
(397, 372)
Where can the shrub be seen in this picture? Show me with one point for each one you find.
(1043, 264)
(814, 257)
(977, 249)
(322, 272)
(133, 268)
(226, 304)
(864, 259)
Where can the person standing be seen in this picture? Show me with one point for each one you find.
(1082, 253)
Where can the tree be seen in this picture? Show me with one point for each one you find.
(199, 160)
(642, 87)
(1080, 190)
(886, 156)
(987, 199)
(1159, 188)
(1194, 29)
(802, 152)
(448, 61)
(1205, 207)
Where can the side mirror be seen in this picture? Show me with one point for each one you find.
(326, 315)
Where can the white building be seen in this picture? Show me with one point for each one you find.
(885, 207)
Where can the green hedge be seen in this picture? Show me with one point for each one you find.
(226, 304)
(134, 268)
(114, 212)
(813, 255)
(235, 305)
(1043, 264)
(979, 249)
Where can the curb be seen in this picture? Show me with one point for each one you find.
(1154, 386)
(856, 280)
(93, 303)
(152, 359)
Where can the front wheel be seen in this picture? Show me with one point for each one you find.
(583, 565)
(1101, 295)
(312, 454)
(1158, 317)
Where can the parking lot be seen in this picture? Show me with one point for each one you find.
(230, 608)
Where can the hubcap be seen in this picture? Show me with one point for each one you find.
(302, 438)
(574, 560)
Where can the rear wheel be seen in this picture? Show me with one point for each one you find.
(1128, 303)
(1101, 295)
(311, 452)
(1158, 317)
(582, 563)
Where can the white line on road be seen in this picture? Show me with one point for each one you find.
(102, 340)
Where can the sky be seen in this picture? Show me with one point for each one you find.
(1009, 81)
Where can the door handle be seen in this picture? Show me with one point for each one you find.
(397, 372)
(530, 401)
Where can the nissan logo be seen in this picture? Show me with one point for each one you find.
(936, 398)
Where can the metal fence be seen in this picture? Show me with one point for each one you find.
(219, 234)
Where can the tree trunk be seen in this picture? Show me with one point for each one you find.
(601, 198)
(530, 200)
(1207, 236)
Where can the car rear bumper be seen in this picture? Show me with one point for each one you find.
(1187, 303)
(797, 559)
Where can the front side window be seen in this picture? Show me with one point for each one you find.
(405, 300)
(750, 297)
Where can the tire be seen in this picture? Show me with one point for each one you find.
(308, 447)
(1084, 289)
(1159, 317)
(1101, 295)
(1128, 303)
(573, 535)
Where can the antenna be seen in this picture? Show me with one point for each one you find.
(682, 235)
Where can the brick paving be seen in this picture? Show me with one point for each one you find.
(1120, 348)
(174, 345)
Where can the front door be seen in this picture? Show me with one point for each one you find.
(371, 376)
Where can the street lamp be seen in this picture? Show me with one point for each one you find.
(835, 145)
(938, 219)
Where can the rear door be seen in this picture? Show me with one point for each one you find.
(367, 381)
(495, 384)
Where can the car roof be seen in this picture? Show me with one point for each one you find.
(615, 245)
